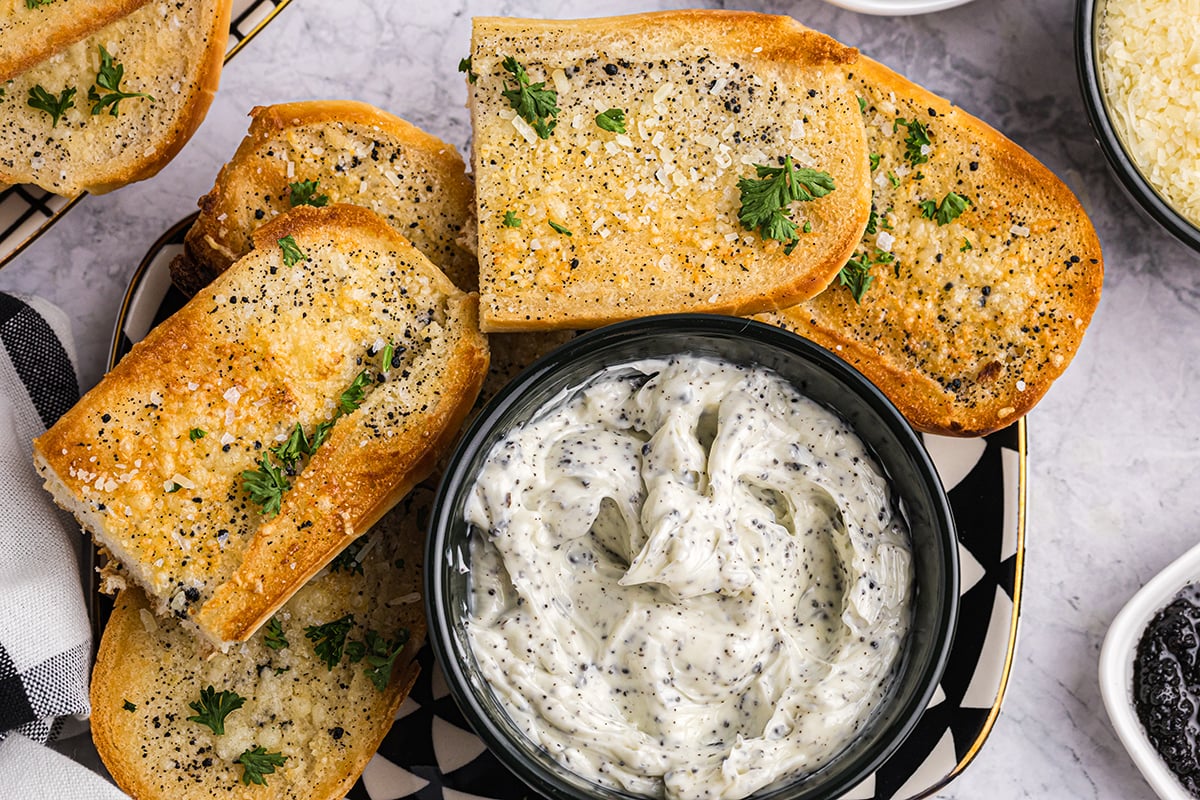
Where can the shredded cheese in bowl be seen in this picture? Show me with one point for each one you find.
(1149, 57)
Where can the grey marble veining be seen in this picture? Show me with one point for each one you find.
(1114, 448)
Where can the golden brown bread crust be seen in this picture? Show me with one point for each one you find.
(87, 152)
(263, 348)
(653, 212)
(968, 327)
(414, 180)
(29, 35)
(328, 722)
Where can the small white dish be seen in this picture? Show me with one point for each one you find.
(1116, 670)
(896, 8)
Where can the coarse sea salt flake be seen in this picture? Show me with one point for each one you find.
(232, 395)
(1019, 230)
(884, 241)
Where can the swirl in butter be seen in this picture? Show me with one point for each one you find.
(687, 579)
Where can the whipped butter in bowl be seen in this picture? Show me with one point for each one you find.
(691, 557)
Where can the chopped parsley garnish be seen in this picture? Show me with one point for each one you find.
(380, 657)
(949, 209)
(37, 3)
(213, 707)
(42, 100)
(511, 220)
(257, 762)
(966, 245)
(874, 161)
(352, 398)
(321, 433)
(293, 449)
(862, 105)
(765, 200)
(175, 487)
(304, 193)
(274, 638)
(918, 137)
(292, 254)
(196, 434)
(807, 228)
(533, 103)
(464, 65)
(109, 79)
(329, 640)
(128, 706)
(856, 276)
(389, 355)
(892, 179)
(559, 228)
(265, 486)
(348, 559)
(612, 120)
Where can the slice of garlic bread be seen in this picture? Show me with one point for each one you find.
(977, 275)
(116, 106)
(319, 686)
(33, 30)
(334, 151)
(251, 436)
(609, 156)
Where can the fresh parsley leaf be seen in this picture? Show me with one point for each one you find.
(257, 763)
(42, 100)
(109, 79)
(213, 707)
(353, 396)
(389, 355)
(511, 220)
(274, 637)
(265, 486)
(949, 209)
(765, 200)
(292, 254)
(872, 220)
(37, 3)
(128, 706)
(612, 120)
(966, 245)
(874, 161)
(806, 229)
(304, 193)
(533, 103)
(892, 179)
(559, 228)
(196, 434)
(862, 105)
(348, 559)
(464, 65)
(381, 657)
(329, 639)
(856, 276)
(918, 136)
(175, 487)
(321, 433)
(295, 448)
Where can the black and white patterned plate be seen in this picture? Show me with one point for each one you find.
(27, 211)
(431, 753)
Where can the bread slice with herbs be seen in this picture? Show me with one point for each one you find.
(33, 30)
(294, 712)
(671, 161)
(117, 105)
(256, 432)
(977, 275)
(334, 151)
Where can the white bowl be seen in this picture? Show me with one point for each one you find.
(897, 8)
(1116, 670)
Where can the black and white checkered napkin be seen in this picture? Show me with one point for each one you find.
(45, 638)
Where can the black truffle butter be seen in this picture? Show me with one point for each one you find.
(1166, 685)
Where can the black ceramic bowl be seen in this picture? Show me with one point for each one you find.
(1088, 14)
(816, 373)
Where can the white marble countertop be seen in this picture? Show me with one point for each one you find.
(1114, 456)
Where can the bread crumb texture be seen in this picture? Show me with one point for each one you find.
(965, 324)
(264, 348)
(617, 225)
(169, 50)
(356, 154)
(326, 722)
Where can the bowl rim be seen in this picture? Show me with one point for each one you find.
(1128, 174)
(440, 635)
(1116, 670)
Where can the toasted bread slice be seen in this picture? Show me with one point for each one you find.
(172, 52)
(965, 324)
(29, 35)
(357, 154)
(618, 225)
(325, 721)
(170, 461)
